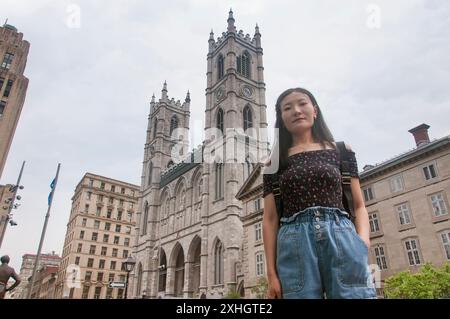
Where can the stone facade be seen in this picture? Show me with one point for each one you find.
(13, 85)
(44, 284)
(98, 239)
(26, 271)
(190, 234)
(407, 201)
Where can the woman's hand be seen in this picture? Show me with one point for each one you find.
(274, 288)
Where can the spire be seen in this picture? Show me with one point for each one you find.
(153, 98)
(231, 27)
(211, 35)
(257, 37)
(188, 97)
(257, 30)
(164, 92)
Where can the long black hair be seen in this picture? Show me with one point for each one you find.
(320, 131)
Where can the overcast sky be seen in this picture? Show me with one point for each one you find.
(377, 69)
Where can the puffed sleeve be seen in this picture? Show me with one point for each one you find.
(268, 183)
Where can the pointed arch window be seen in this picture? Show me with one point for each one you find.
(150, 172)
(220, 67)
(155, 127)
(248, 119)
(218, 263)
(145, 219)
(219, 120)
(219, 180)
(243, 64)
(173, 124)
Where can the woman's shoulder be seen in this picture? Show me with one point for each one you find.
(347, 146)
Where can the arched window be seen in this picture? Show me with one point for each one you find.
(173, 124)
(220, 67)
(248, 120)
(139, 281)
(218, 263)
(145, 219)
(243, 64)
(155, 127)
(150, 172)
(200, 186)
(219, 180)
(219, 121)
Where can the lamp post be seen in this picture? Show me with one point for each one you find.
(129, 266)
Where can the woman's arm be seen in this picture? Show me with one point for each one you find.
(270, 231)
(361, 218)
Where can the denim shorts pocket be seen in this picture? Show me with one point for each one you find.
(352, 257)
(289, 266)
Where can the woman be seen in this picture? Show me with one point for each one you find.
(314, 250)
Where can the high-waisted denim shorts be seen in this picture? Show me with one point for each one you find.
(320, 255)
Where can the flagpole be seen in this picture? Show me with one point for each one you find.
(55, 181)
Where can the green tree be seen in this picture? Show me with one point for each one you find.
(429, 283)
(260, 290)
(232, 294)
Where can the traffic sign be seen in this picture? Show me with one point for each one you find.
(116, 284)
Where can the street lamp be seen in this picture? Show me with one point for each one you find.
(129, 266)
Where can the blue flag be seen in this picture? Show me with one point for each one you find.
(52, 185)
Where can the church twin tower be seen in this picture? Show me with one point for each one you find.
(189, 234)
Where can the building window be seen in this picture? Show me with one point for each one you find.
(113, 265)
(96, 224)
(99, 276)
(219, 120)
(129, 217)
(219, 181)
(79, 248)
(155, 127)
(412, 250)
(88, 276)
(368, 194)
(258, 232)
(145, 219)
(248, 120)
(429, 171)
(77, 260)
(173, 124)
(218, 263)
(2, 107)
(82, 234)
(260, 264)
(90, 263)
(438, 204)
(88, 195)
(445, 237)
(220, 67)
(257, 205)
(107, 226)
(118, 227)
(150, 172)
(128, 230)
(396, 183)
(243, 64)
(8, 88)
(114, 252)
(108, 213)
(403, 214)
(380, 257)
(84, 222)
(119, 215)
(116, 240)
(85, 293)
(374, 223)
(94, 236)
(104, 251)
(86, 208)
(101, 264)
(91, 183)
(7, 60)
(122, 190)
(126, 242)
(120, 294)
(109, 292)
(111, 277)
(2, 80)
(125, 254)
(92, 250)
(102, 186)
(111, 200)
(113, 188)
(98, 291)
(105, 238)
(121, 203)
(98, 212)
